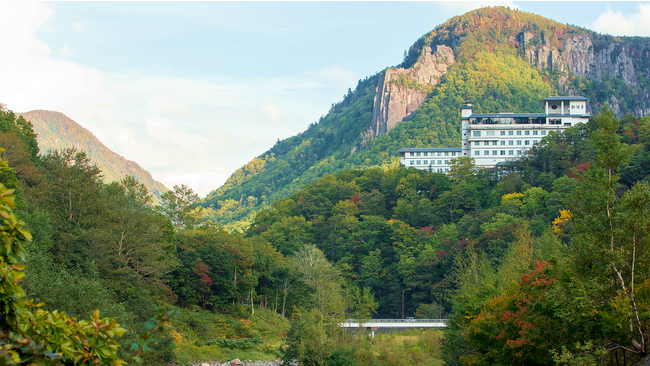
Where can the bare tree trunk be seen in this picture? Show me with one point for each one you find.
(275, 308)
(284, 299)
(252, 304)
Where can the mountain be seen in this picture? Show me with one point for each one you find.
(502, 59)
(56, 131)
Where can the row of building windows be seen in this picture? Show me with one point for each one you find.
(439, 170)
(517, 121)
(509, 133)
(425, 153)
(426, 162)
(496, 152)
(503, 142)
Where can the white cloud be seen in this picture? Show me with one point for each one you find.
(65, 51)
(181, 130)
(619, 24)
(335, 75)
(77, 27)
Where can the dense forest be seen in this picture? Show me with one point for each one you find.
(495, 67)
(543, 261)
(540, 262)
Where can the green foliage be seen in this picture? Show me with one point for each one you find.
(240, 343)
(30, 334)
(588, 354)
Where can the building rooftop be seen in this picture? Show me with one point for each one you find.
(531, 115)
(431, 149)
(565, 98)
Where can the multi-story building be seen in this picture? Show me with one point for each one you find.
(495, 138)
(433, 159)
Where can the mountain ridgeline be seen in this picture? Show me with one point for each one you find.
(504, 60)
(56, 131)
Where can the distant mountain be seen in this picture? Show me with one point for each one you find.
(56, 131)
(502, 59)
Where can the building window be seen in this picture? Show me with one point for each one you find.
(503, 133)
(426, 154)
(417, 162)
(518, 152)
(477, 133)
(543, 133)
(439, 170)
(477, 152)
(446, 162)
(412, 154)
(535, 132)
(527, 133)
(412, 162)
(503, 152)
(439, 153)
(534, 142)
(494, 152)
(527, 142)
(486, 152)
(425, 162)
(511, 152)
(518, 133)
(453, 153)
(439, 162)
(446, 170)
(510, 133)
(489, 133)
(567, 124)
(503, 142)
(446, 153)
(418, 153)
(518, 142)
(511, 142)
(494, 143)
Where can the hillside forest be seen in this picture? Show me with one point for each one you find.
(496, 67)
(540, 263)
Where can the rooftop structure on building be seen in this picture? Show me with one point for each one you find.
(497, 138)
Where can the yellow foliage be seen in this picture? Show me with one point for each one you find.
(558, 223)
(515, 198)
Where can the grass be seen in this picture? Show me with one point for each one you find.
(193, 327)
(409, 347)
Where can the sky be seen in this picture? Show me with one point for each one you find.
(192, 91)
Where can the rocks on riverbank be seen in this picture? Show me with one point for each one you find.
(237, 362)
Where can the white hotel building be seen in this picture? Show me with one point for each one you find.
(495, 138)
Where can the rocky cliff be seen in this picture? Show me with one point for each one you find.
(576, 55)
(401, 91)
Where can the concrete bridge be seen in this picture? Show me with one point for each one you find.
(374, 324)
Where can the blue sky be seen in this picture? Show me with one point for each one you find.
(193, 90)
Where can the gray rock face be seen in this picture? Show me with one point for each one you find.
(400, 91)
(394, 102)
(577, 55)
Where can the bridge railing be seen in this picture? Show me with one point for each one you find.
(399, 321)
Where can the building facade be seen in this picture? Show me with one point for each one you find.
(436, 160)
(496, 138)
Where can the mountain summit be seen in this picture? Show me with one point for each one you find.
(56, 131)
(502, 59)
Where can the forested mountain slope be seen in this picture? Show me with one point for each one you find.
(56, 131)
(502, 59)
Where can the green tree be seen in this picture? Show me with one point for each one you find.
(179, 206)
(35, 336)
(611, 232)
